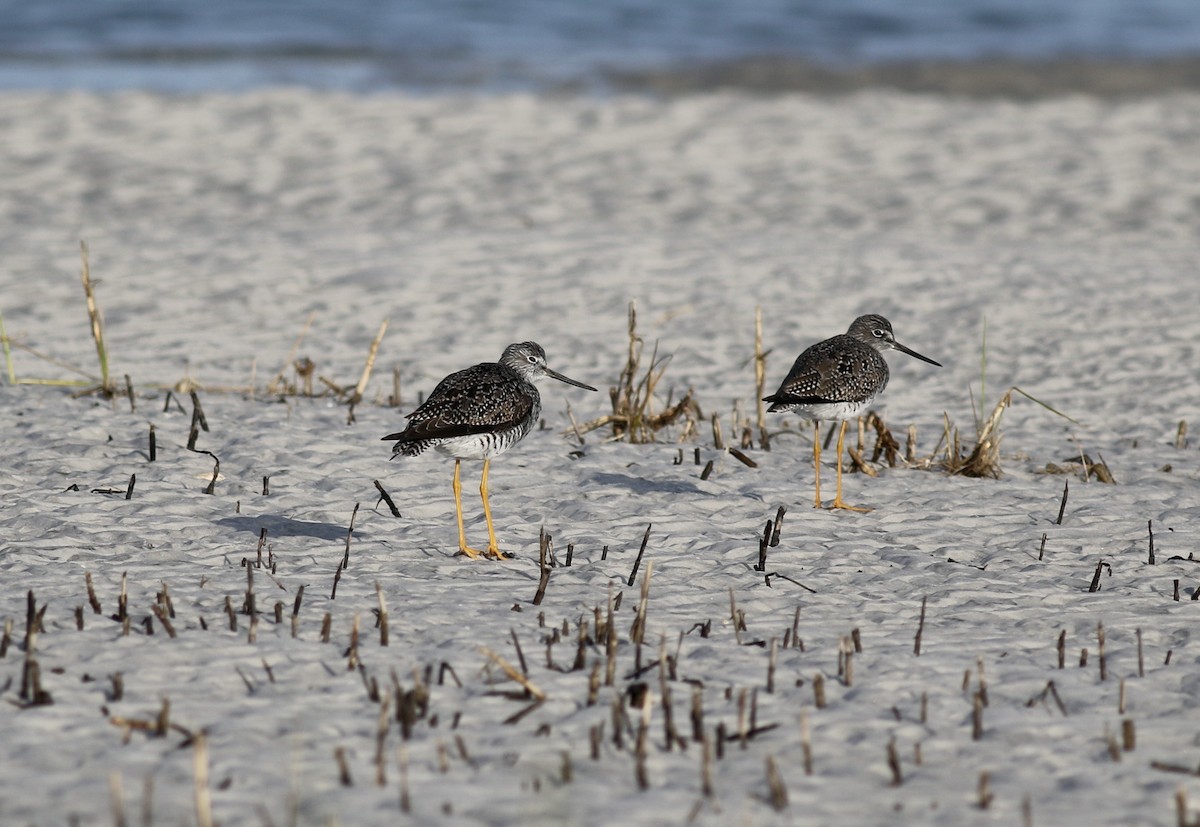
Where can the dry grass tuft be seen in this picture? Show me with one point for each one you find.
(983, 458)
(89, 384)
(305, 374)
(634, 417)
(106, 387)
(304, 381)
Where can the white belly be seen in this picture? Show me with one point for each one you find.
(833, 410)
(481, 446)
(468, 447)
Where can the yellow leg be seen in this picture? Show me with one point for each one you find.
(837, 500)
(817, 460)
(473, 553)
(493, 548)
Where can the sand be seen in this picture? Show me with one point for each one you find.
(219, 225)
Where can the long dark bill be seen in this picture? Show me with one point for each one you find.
(570, 381)
(903, 349)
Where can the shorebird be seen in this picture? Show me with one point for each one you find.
(838, 379)
(479, 413)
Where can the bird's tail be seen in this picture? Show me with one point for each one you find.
(407, 447)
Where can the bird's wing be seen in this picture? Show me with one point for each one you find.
(824, 374)
(799, 388)
(472, 401)
(803, 383)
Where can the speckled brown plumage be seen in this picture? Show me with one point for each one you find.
(489, 402)
(479, 413)
(838, 379)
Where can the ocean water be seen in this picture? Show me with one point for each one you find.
(192, 45)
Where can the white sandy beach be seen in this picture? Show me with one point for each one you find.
(218, 224)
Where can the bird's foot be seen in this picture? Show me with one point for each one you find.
(838, 504)
(473, 553)
(492, 552)
(495, 552)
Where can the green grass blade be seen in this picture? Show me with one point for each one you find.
(983, 365)
(1050, 408)
(12, 374)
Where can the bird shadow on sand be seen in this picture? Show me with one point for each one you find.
(286, 527)
(644, 485)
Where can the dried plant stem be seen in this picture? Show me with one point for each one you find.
(806, 742)
(984, 458)
(760, 379)
(383, 615)
(97, 324)
(985, 791)
(202, 794)
(920, 628)
(1100, 638)
(117, 799)
(277, 382)
(977, 716)
(779, 797)
(641, 551)
(514, 673)
(402, 762)
(640, 742)
(893, 759)
(637, 633)
(1128, 735)
(706, 766)
(633, 417)
(1141, 660)
(544, 541)
(361, 387)
(386, 498)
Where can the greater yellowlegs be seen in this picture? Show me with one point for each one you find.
(838, 379)
(479, 413)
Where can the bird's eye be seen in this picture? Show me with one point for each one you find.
(531, 360)
(878, 332)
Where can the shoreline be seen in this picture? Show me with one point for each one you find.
(987, 77)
